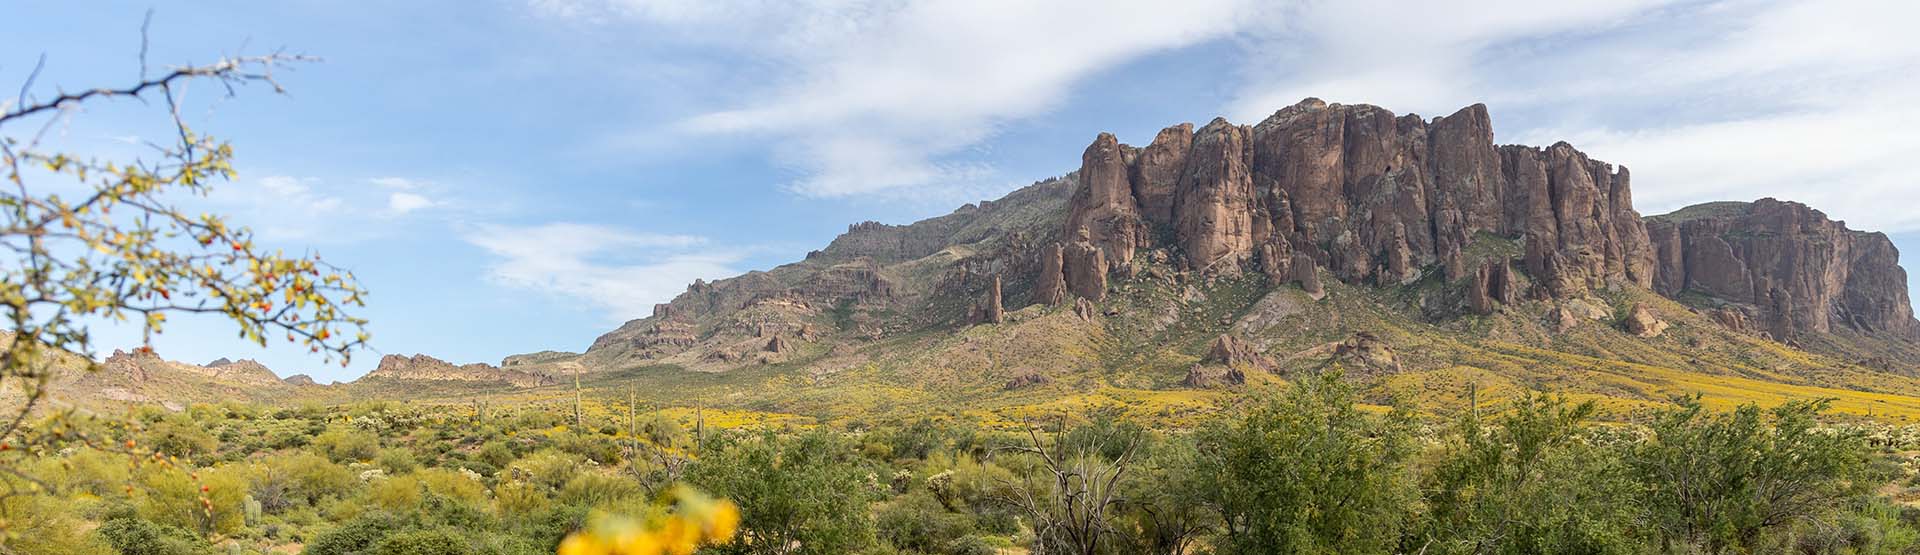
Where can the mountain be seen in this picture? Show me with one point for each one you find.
(426, 368)
(1169, 280)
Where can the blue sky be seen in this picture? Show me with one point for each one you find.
(509, 176)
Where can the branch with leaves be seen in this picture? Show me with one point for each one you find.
(121, 250)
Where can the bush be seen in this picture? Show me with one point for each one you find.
(548, 468)
(396, 460)
(172, 497)
(355, 537)
(136, 536)
(917, 522)
(592, 489)
(1310, 474)
(283, 482)
(347, 444)
(810, 489)
(436, 541)
(1722, 481)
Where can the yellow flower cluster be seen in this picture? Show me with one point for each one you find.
(677, 524)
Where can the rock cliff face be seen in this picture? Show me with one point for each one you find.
(1783, 266)
(1374, 197)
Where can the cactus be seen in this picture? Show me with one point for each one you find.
(252, 509)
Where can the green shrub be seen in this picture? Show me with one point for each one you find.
(347, 444)
(355, 537)
(396, 460)
(436, 541)
(917, 522)
(136, 536)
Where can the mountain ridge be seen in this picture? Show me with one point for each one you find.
(1414, 252)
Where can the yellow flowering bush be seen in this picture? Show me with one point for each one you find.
(678, 523)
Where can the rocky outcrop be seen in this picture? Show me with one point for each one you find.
(1493, 286)
(1086, 270)
(1103, 210)
(1228, 350)
(1024, 381)
(1051, 287)
(1156, 172)
(531, 359)
(1214, 207)
(990, 309)
(426, 368)
(300, 380)
(1642, 322)
(1307, 274)
(1206, 376)
(243, 371)
(1374, 197)
(1796, 271)
(1366, 354)
(1731, 318)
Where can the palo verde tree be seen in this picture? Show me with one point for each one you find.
(88, 240)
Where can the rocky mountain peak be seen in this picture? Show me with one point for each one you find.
(1783, 265)
(1376, 198)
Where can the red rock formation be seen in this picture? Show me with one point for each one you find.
(1641, 321)
(1231, 351)
(1796, 270)
(990, 310)
(1051, 288)
(1214, 205)
(1156, 173)
(1372, 196)
(1104, 206)
(1086, 270)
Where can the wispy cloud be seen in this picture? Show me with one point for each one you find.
(1406, 56)
(398, 183)
(311, 210)
(878, 96)
(620, 272)
(402, 202)
(1802, 100)
(1705, 100)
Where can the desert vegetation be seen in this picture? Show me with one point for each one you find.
(1306, 473)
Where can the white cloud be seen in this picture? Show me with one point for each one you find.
(1725, 100)
(878, 96)
(1405, 56)
(618, 271)
(1799, 100)
(400, 183)
(400, 203)
(282, 208)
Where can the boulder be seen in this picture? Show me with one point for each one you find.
(1642, 322)
(1366, 354)
(1228, 350)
